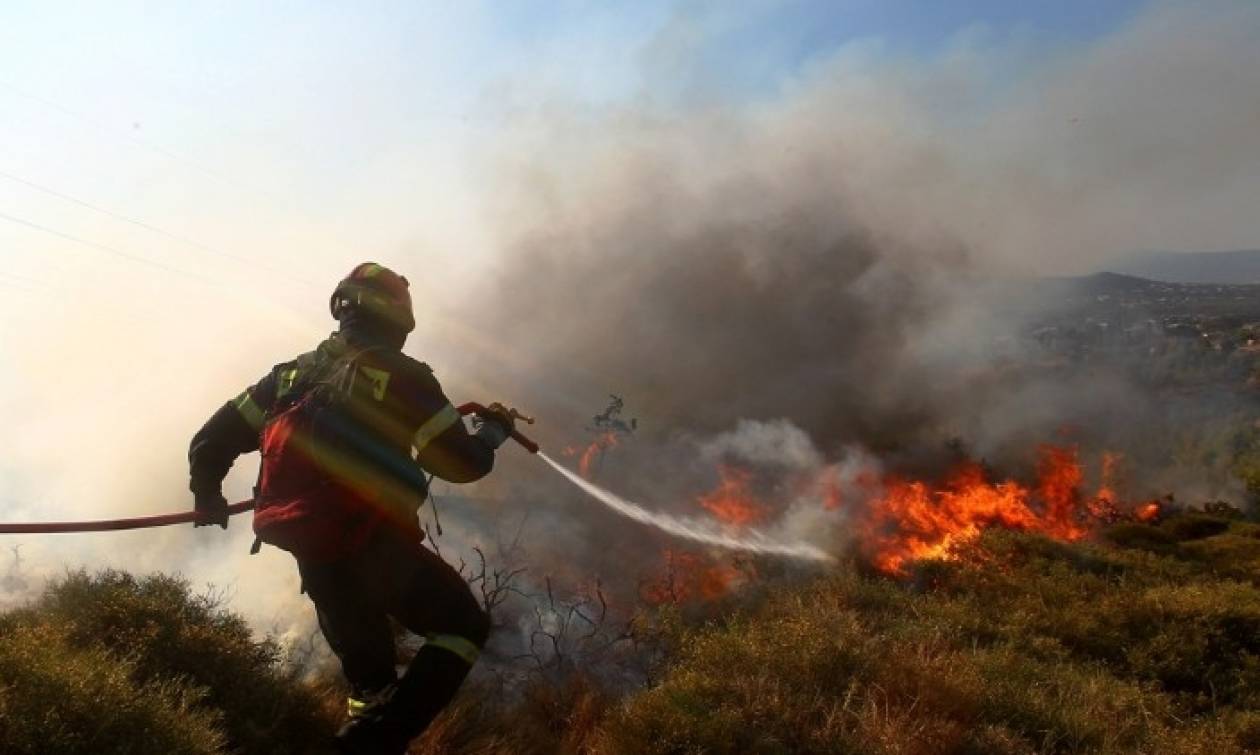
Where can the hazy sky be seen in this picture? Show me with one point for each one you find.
(287, 129)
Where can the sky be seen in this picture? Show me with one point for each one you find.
(291, 127)
(182, 183)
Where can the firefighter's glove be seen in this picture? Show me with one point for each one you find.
(211, 508)
(494, 425)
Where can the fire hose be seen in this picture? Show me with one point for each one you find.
(162, 520)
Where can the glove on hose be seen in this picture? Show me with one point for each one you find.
(211, 508)
(494, 425)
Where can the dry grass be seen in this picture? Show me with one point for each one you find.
(109, 662)
(1147, 641)
(1023, 646)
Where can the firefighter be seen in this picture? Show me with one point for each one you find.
(346, 433)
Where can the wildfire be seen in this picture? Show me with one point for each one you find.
(909, 520)
(690, 577)
(731, 501)
(590, 455)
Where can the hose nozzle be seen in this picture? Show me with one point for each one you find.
(529, 445)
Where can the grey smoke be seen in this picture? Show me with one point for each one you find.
(803, 258)
(820, 257)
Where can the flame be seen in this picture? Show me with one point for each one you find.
(827, 487)
(593, 452)
(690, 577)
(731, 501)
(909, 520)
(1106, 506)
(1148, 512)
(1110, 473)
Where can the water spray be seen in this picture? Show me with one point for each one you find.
(688, 528)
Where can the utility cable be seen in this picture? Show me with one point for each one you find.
(124, 136)
(103, 247)
(150, 227)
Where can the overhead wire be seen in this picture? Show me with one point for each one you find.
(129, 138)
(119, 133)
(103, 247)
(148, 226)
(21, 278)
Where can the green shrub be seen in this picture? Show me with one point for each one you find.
(58, 698)
(166, 637)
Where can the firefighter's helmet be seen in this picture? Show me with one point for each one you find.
(378, 293)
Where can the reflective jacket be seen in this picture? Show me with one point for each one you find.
(401, 420)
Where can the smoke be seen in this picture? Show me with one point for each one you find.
(693, 529)
(816, 261)
(789, 280)
(807, 256)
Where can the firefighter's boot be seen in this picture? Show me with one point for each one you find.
(407, 709)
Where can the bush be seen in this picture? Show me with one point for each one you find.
(55, 697)
(164, 638)
(1144, 536)
(1024, 645)
(1019, 644)
(1189, 526)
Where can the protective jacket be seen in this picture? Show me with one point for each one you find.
(398, 421)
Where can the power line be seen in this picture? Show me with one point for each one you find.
(156, 148)
(146, 226)
(104, 247)
(118, 132)
(21, 278)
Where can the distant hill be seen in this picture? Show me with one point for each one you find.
(1193, 267)
(1115, 295)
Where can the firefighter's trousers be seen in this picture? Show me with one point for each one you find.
(396, 576)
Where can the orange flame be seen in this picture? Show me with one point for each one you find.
(593, 452)
(1148, 512)
(908, 520)
(731, 501)
(689, 577)
(829, 490)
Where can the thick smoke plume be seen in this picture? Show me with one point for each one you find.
(817, 258)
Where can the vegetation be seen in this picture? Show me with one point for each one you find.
(1147, 640)
(110, 663)
(1021, 645)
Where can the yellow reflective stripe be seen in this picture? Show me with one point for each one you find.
(355, 707)
(380, 381)
(454, 643)
(287, 379)
(250, 411)
(435, 426)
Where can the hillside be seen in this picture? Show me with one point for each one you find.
(1023, 645)
(1234, 267)
(1146, 640)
